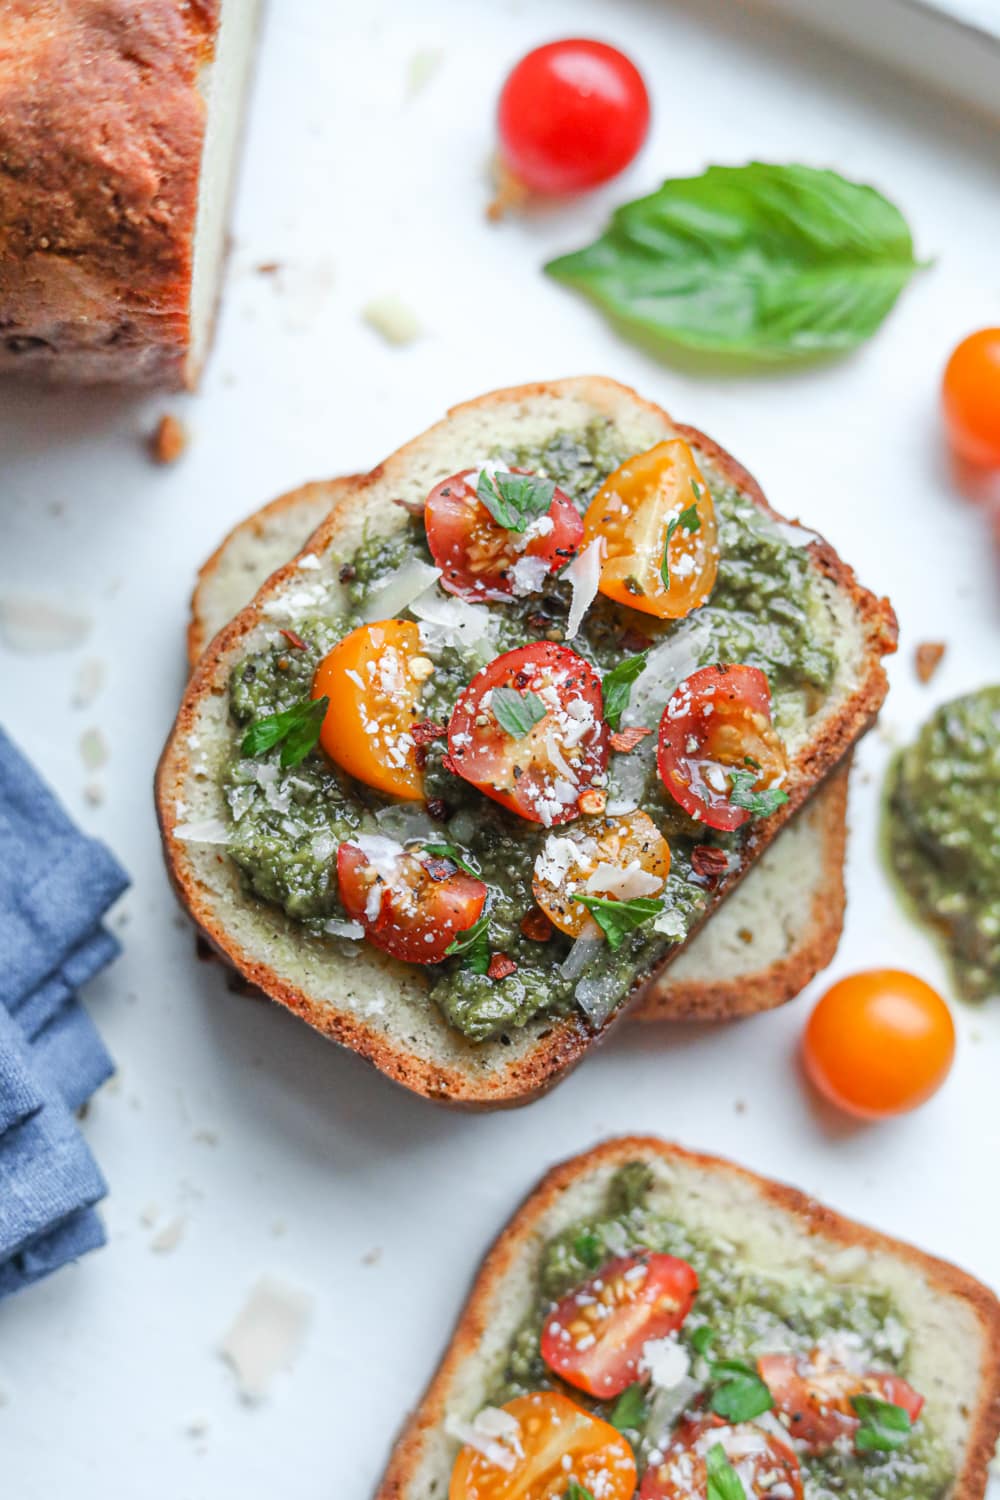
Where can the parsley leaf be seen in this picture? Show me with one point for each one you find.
(577, 1491)
(740, 1394)
(723, 1481)
(516, 712)
(473, 945)
(445, 850)
(884, 1426)
(630, 1409)
(760, 804)
(618, 918)
(702, 1339)
(691, 522)
(515, 500)
(616, 686)
(296, 731)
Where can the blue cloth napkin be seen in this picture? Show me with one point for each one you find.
(55, 886)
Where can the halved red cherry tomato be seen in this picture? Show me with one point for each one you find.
(765, 1466)
(595, 1335)
(656, 503)
(813, 1396)
(373, 679)
(409, 906)
(572, 114)
(970, 393)
(551, 1441)
(543, 773)
(478, 557)
(718, 721)
(598, 850)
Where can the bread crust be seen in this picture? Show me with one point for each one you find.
(563, 1042)
(102, 124)
(811, 1218)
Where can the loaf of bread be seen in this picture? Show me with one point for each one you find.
(119, 123)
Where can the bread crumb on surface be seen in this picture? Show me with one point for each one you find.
(266, 1336)
(268, 268)
(94, 750)
(391, 317)
(89, 681)
(927, 658)
(93, 794)
(169, 440)
(169, 1237)
(421, 69)
(29, 623)
(372, 1257)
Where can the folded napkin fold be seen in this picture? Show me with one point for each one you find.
(55, 886)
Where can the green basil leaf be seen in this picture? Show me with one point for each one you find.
(587, 1247)
(577, 1491)
(760, 804)
(630, 1409)
(723, 1481)
(691, 521)
(515, 712)
(445, 850)
(616, 686)
(515, 500)
(473, 945)
(884, 1425)
(741, 1394)
(296, 730)
(763, 261)
(618, 918)
(702, 1339)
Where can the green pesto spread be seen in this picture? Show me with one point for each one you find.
(752, 1312)
(943, 828)
(766, 609)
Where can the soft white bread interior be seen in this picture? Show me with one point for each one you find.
(953, 1321)
(372, 1004)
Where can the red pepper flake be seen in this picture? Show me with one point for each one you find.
(448, 764)
(927, 659)
(501, 966)
(624, 740)
(536, 926)
(412, 507)
(440, 869)
(426, 731)
(708, 862)
(635, 641)
(437, 809)
(294, 640)
(347, 573)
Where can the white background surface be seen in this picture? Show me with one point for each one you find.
(359, 188)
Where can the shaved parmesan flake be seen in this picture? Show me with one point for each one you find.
(340, 929)
(447, 621)
(308, 562)
(400, 589)
(203, 831)
(667, 1362)
(623, 884)
(584, 574)
(266, 1336)
(528, 574)
(494, 1433)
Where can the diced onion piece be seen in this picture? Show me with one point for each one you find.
(597, 996)
(400, 590)
(584, 950)
(584, 574)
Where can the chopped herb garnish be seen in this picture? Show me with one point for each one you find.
(515, 500)
(616, 686)
(515, 712)
(630, 1409)
(723, 1481)
(618, 918)
(760, 804)
(296, 730)
(445, 850)
(577, 1491)
(702, 1339)
(740, 1394)
(884, 1425)
(473, 946)
(588, 1248)
(691, 522)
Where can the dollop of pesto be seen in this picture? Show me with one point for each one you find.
(751, 1311)
(943, 834)
(766, 609)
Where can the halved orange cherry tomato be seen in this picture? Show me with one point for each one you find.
(879, 1043)
(765, 1466)
(813, 1396)
(970, 393)
(543, 773)
(633, 512)
(554, 1442)
(718, 721)
(477, 556)
(595, 1335)
(373, 679)
(410, 905)
(594, 858)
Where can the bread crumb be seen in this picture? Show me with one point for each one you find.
(94, 750)
(391, 317)
(169, 1237)
(927, 658)
(169, 440)
(206, 1137)
(196, 1427)
(89, 681)
(745, 935)
(29, 624)
(740, 1106)
(266, 1336)
(93, 794)
(149, 1216)
(268, 268)
(421, 69)
(372, 1257)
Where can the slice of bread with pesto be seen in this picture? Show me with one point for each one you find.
(251, 844)
(783, 1285)
(779, 928)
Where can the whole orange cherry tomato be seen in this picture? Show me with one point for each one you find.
(970, 394)
(552, 1443)
(879, 1043)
